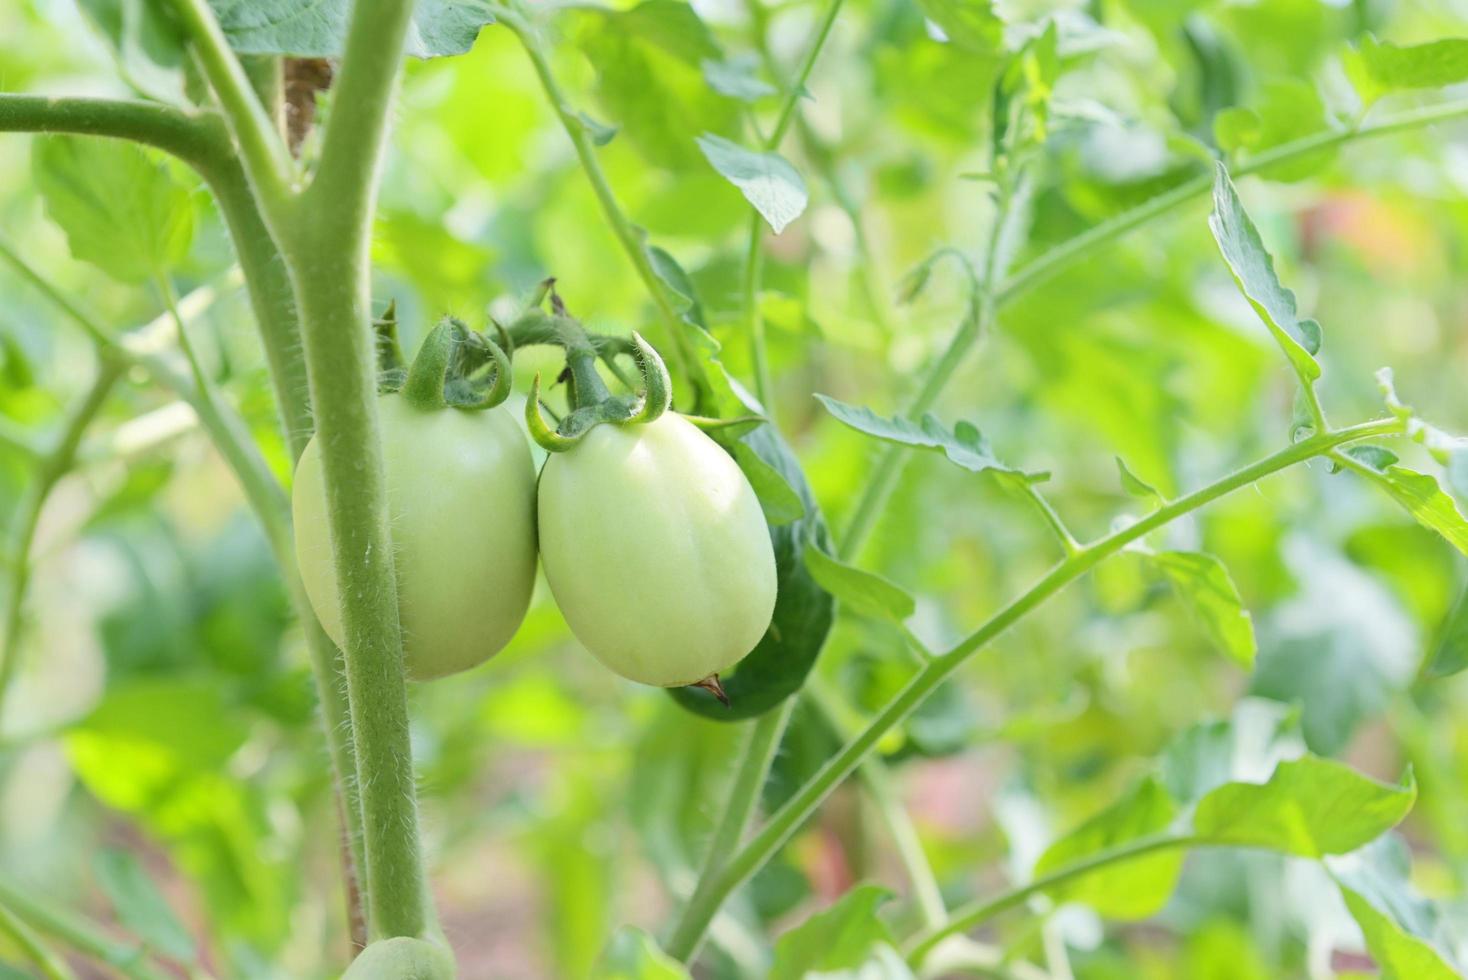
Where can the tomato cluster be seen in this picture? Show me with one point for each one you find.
(652, 539)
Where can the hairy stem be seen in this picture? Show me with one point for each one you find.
(697, 915)
(326, 239)
(265, 157)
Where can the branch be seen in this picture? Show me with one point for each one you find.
(51, 966)
(343, 191)
(628, 235)
(73, 930)
(976, 913)
(192, 137)
(697, 915)
(49, 470)
(266, 159)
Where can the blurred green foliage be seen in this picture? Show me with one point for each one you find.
(164, 709)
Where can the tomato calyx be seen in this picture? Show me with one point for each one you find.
(455, 367)
(590, 401)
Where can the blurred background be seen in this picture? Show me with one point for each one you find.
(164, 709)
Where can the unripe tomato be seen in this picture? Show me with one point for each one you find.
(402, 958)
(656, 550)
(461, 496)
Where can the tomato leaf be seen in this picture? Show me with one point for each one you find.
(440, 27)
(767, 180)
(1451, 655)
(737, 77)
(119, 204)
(1253, 270)
(848, 936)
(1203, 583)
(1310, 807)
(865, 593)
(1132, 889)
(965, 446)
(1430, 65)
(1420, 494)
(632, 954)
(1135, 485)
(1403, 932)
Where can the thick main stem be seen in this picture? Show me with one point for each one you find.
(697, 915)
(326, 238)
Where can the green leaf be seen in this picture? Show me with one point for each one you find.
(779, 500)
(1135, 485)
(1253, 270)
(140, 907)
(439, 27)
(1287, 110)
(1430, 65)
(650, 78)
(1128, 890)
(119, 204)
(1451, 655)
(1203, 583)
(969, 24)
(767, 180)
(1404, 932)
(737, 77)
(965, 445)
(601, 134)
(148, 44)
(1419, 494)
(778, 665)
(632, 954)
(865, 593)
(1309, 807)
(847, 940)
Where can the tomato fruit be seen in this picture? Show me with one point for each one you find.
(401, 958)
(656, 550)
(461, 493)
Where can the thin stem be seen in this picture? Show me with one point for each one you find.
(231, 438)
(754, 320)
(326, 243)
(51, 966)
(1073, 249)
(170, 305)
(880, 483)
(266, 159)
(795, 91)
(76, 932)
(49, 470)
(976, 913)
(878, 784)
(627, 235)
(1053, 521)
(783, 823)
(765, 733)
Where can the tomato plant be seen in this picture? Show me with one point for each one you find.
(972, 415)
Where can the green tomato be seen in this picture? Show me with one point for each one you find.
(461, 495)
(402, 958)
(656, 550)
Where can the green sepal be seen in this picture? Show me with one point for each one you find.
(456, 367)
